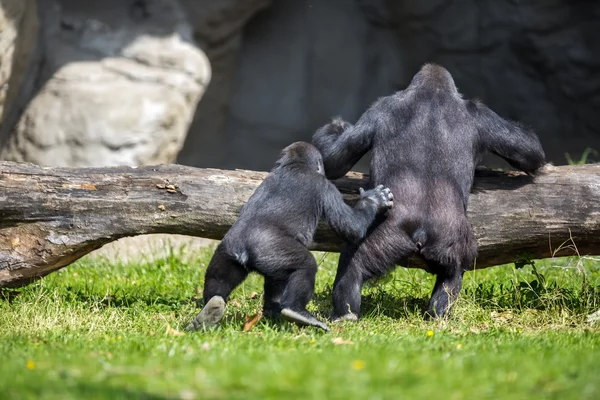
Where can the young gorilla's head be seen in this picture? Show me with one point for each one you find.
(301, 153)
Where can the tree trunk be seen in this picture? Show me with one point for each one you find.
(50, 217)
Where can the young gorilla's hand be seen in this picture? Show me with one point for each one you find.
(381, 196)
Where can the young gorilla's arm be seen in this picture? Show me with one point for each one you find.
(509, 140)
(352, 223)
(342, 144)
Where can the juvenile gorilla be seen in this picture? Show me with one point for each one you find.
(425, 141)
(273, 231)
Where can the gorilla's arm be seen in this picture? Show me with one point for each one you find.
(342, 144)
(509, 140)
(352, 223)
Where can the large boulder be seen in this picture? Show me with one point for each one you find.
(19, 58)
(119, 85)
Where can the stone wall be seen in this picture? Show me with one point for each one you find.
(303, 61)
(104, 82)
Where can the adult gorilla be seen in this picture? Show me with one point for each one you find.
(425, 141)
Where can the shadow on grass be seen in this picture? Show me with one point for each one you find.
(9, 295)
(394, 298)
(124, 299)
(536, 294)
(378, 303)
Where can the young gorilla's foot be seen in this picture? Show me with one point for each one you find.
(346, 317)
(303, 318)
(210, 316)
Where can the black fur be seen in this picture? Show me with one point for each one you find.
(277, 224)
(425, 141)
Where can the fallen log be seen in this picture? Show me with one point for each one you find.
(50, 217)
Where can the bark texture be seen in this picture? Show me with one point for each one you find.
(49, 217)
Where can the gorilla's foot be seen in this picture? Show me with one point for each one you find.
(210, 316)
(432, 314)
(272, 313)
(303, 318)
(346, 317)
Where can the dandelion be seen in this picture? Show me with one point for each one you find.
(459, 346)
(30, 365)
(357, 365)
(313, 341)
(429, 333)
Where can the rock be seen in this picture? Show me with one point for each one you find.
(19, 57)
(301, 62)
(218, 28)
(217, 21)
(121, 81)
(534, 61)
(304, 61)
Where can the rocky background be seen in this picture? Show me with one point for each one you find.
(228, 83)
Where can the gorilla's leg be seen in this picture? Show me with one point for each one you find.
(298, 292)
(222, 276)
(385, 246)
(348, 283)
(448, 283)
(273, 290)
(299, 289)
(449, 258)
(289, 270)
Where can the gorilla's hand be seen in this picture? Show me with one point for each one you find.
(381, 196)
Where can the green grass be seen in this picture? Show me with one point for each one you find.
(111, 331)
(584, 159)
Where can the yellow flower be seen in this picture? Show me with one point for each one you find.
(429, 333)
(313, 341)
(30, 365)
(459, 346)
(357, 365)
